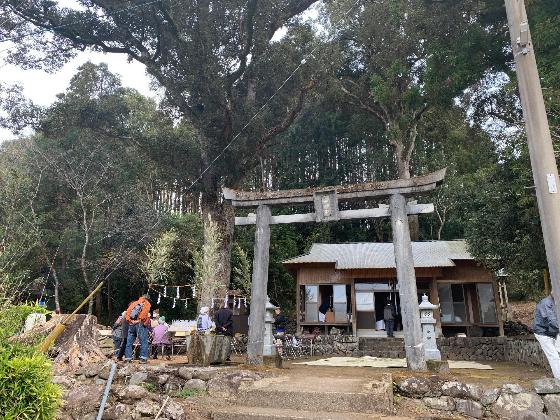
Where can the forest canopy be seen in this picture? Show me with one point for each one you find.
(108, 184)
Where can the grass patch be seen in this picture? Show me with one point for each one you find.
(150, 387)
(189, 392)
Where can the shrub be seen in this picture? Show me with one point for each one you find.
(26, 389)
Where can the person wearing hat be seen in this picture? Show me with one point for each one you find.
(203, 322)
(138, 318)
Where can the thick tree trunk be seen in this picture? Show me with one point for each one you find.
(221, 213)
(403, 171)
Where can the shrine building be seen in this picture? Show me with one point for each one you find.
(355, 280)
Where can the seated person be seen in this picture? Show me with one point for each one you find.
(161, 339)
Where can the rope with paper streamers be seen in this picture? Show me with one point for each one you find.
(177, 296)
(237, 299)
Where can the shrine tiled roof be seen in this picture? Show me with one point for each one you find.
(362, 255)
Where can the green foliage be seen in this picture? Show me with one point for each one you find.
(206, 263)
(158, 263)
(189, 392)
(150, 386)
(26, 388)
(241, 271)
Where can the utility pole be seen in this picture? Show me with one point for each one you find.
(543, 162)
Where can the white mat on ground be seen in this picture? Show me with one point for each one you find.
(379, 362)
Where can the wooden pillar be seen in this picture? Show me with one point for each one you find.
(406, 278)
(258, 287)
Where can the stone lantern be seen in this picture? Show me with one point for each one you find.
(269, 349)
(428, 322)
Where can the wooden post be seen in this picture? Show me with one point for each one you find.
(404, 262)
(258, 287)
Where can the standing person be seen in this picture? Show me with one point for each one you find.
(138, 317)
(389, 318)
(224, 326)
(203, 322)
(118, 333)
(280, 321)
(125, 325)
(161, 339)
(545, 328)
(224, 321)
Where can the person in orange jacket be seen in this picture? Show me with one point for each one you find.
(138, 318)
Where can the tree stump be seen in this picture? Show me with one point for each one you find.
(76, 347)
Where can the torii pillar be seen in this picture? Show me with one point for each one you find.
(325, 201)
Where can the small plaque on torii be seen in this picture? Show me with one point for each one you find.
(326, 206)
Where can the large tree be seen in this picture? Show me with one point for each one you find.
(216, 61)
(399, 59)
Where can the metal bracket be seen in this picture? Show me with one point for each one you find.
(523, 38)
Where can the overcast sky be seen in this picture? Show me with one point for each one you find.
(42, 87)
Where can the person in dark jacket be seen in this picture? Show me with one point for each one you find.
(545, 328)
(279, 322)
(224, 326)
(389, 318)
(224, 321)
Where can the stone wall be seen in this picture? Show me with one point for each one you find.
(526, 350)
(523, 349)
(510, 401)
(473, 348)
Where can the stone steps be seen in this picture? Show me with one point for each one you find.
(298, 397)
(260, 413)
(313, 401)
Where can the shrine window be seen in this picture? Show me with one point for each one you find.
(487, 303)
(312, 303)
(452, 303)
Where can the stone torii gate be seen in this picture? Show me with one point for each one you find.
(325, 201)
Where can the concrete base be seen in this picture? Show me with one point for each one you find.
(439, 366)
(204, 350)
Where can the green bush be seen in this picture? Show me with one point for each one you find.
(26, 388)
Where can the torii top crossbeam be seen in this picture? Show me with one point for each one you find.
(416, 185)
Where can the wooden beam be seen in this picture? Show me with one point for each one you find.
(259, 285)
(343, 215)
(414, 345)
(416, 185)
